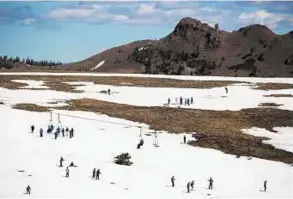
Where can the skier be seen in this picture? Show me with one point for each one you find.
(67, 130)
(192, 184)
(188, 187)
(169, 100)
(56, 135)
(62, 132)
(265, 186)
(94, 173)
(211, 181)
(191, 100)
(226, 89)
(28, 190)
(98, 173)
(32, 128)
(187, 101)
(67, 172)
(72, 164)
(180, 100)
(71, 133)
(41, 132)
(173, 181)
(49, 129)
(52, 127)
(109, 91)
(184, 139)
(61, 161)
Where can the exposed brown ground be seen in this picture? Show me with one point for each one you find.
(215, 129)
(279, 95)
(57, 83)
(269, 105)
(31, 107)
(273, 86)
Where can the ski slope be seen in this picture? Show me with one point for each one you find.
(99, 138)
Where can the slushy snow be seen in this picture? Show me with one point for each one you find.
(99, 138)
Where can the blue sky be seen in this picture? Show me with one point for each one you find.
(72, 31)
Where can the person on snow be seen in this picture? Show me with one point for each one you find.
(169, 101)
(72, 164)
(176, 100)
(49, 129)
(173, 181)
(184, 139)
(98, 173)
(61, 162)
(185, 101)
(63, 132)
(188, 187)
(94, 173)
(41, 132)
(192, 184)
(67, 172)
(109, 91)
(28, 190)
(226, 89)
(211, 181)
(56, 135)
(52, 127)
(181, 100)
(71, 133)
(32, 128)
(265, 186)
(188, 101)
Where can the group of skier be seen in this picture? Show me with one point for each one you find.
(50, 129)
(187, 101)
(96, 174)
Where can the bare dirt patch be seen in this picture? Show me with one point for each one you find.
(269, 105)
(221, 130)
(273, 86)
(279, 95)
(31, 107)
(57, 82)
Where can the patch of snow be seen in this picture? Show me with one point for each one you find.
(96, 143)
(180, 77)
(32, 84)
(282, 139)
(101, 63)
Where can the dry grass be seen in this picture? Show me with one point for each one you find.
(57, 82)
(273, 86)
(31, 107)
(279, 95)
(216, 129)
(269, 105)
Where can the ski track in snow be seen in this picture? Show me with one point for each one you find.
(97, 141)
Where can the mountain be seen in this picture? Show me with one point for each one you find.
(195, 48)
(112, 60)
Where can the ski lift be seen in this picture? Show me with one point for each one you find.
(59, 124)
(156, 141)
(140, 134)
(50, 121)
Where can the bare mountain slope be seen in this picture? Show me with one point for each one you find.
(195, 48)
(111, 60)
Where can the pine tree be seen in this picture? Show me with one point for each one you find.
(123, 159)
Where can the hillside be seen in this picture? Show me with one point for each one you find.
(195, 48)
(115, 60)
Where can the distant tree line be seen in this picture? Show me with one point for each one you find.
(11, 62)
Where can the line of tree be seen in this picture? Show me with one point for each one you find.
(10, 62)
